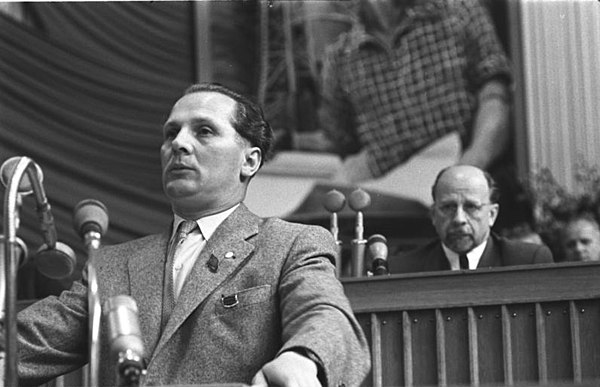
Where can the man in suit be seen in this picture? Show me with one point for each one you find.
(465, 207)
(241, 299)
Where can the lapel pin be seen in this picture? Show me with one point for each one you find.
(229, 255)
(213, 264)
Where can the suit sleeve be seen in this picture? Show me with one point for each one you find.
(52, 336)
(316, 315)
(543, 255)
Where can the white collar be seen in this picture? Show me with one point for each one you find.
(473, 256)
(207, 224)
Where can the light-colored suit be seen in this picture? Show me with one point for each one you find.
(288, 297)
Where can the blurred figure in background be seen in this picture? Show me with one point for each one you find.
(408, 73)
(580, 238)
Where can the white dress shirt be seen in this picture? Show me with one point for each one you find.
(188, 251)
(473, 256)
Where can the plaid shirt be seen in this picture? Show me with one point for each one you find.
(394, 101)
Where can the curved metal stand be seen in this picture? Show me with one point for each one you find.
(11, 198)
(92, 243)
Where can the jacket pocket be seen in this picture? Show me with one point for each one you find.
(230, 302)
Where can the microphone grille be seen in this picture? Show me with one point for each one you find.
(334, 201)
(359, 200)
(90, 215)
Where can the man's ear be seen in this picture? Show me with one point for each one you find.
(252, 160)
(494, 210)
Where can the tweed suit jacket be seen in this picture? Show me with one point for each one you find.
(498, 252)
(287, 297)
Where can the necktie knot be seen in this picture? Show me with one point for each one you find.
(185, 228)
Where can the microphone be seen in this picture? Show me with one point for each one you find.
(358, 201)
(378, 252)
(335, 202)
(57, 263)
(125, 339)
(53, 259)
(21, 176)
(90, 219)
(7, 170)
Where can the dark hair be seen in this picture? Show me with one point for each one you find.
(249, 120)
(492, 185)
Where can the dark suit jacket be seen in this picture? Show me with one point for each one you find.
(288, 298)
(498, 252)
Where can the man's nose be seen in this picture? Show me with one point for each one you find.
(460, 216)
(183, 141)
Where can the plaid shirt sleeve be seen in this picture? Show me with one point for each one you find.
(485, 54)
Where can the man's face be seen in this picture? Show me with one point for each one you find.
(205, 162)
(462, 213)
(581, 241)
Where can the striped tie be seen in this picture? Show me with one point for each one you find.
(168, 297)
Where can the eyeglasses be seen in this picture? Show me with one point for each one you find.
(471, 209)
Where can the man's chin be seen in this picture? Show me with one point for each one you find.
(460, 244)
(179, 191)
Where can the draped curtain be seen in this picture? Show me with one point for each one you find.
(84, 91)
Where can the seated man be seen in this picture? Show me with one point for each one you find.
(465, 207)
(580, 238)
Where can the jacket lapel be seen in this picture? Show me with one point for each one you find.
(436, 259)
(491, 256)
(146, 272)
(226, 250)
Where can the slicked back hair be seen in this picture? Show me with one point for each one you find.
(248, 121)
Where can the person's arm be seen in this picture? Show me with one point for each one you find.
(491, 131)
(52, 336)
(323, 344)
(490, 75)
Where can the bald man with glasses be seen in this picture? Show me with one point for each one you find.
(465, 207)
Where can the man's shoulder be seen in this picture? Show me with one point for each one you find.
(415, 259)
(514, 251)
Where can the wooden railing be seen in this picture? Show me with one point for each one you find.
(533, 325)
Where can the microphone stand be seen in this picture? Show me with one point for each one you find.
(334, 202)
(11, 202)
(92, 243)
(358, 201)
(91, 221)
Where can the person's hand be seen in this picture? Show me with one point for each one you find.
(289, 369)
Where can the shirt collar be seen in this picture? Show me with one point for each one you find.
(207, 224)
(473, 256)
(425, 9)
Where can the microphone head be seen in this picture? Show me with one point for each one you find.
(334, 201)
(22, 253)
(123, 325)
(378, 252)
(90, 215)
(56, 263)
(7, 170)
(377, 246)
(359, 200)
